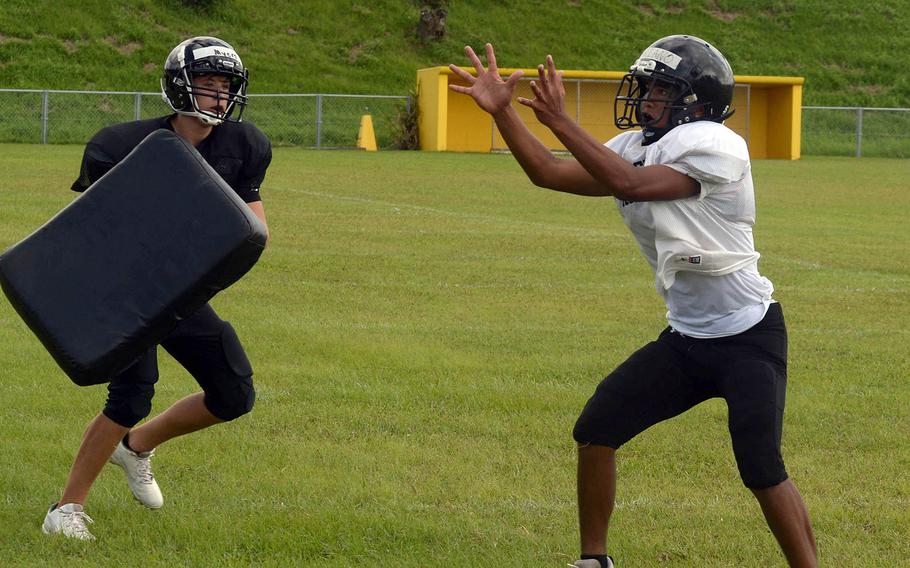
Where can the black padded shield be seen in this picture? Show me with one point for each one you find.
(147, 244)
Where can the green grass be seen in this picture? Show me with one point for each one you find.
(848, 51)
(425, 329)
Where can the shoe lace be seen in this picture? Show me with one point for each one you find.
(144, 470)
(74, 524)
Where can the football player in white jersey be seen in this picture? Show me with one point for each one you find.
(682, 183)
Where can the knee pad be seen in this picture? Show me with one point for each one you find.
(592, 427)
(584, 431)
(599, 421)
(231, 394)
(129, 402)
(232, 401)
(760, 471)
(130, 412)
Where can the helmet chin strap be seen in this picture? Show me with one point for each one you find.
(208, 120)
(653, 134)
(203, 118)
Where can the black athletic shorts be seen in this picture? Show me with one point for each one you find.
(674, 373)
(208, 348)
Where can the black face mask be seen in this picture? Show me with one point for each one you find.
(681, 106)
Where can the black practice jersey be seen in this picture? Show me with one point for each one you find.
(238, 151)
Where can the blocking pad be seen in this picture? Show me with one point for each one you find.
(147, 244)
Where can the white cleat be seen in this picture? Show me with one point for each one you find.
(138, 468)
(68, 520)
(590, 563)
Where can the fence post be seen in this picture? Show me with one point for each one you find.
(859, 132)
(578, 101)
(749, 111)
(44, 97)
(138, 107)
(318, 121)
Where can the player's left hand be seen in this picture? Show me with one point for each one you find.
(549, 94)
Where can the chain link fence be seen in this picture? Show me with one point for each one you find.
(856, 131)
(333, 121)
(326, 121)
(588, 101)
(309, 120)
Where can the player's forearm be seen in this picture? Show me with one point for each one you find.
(535, 159)
(258, 210)
(607, 167)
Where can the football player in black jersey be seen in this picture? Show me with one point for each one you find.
(205, 84)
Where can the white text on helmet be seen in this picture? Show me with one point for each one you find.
(668, 58)
(203, 52)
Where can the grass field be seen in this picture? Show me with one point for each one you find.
(425, 329)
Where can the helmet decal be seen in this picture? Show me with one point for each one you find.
(668, 58)
(227, 55)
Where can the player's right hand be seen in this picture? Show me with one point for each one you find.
(487, 88)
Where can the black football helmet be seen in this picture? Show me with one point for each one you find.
(699, 78)
(204, 55)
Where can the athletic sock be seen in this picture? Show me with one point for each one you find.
(126, 442)
(602, 558)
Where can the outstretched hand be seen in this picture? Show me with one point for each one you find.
(549, 94)
(488, 90)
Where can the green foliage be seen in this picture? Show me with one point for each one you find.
(851, 53)
(406, 127)
(426, 327)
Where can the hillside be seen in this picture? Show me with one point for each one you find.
(850, 54)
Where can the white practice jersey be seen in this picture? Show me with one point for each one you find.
(701, 247)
